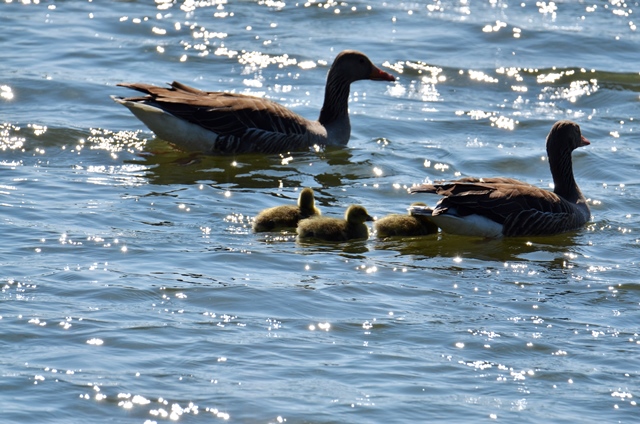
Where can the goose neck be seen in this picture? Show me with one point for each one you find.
(336, 99)
(564, 181)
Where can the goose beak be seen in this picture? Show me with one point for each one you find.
(380, 75)
(584, 141)
(370, 218)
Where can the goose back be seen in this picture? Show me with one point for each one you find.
(237, 123)
(521, 209)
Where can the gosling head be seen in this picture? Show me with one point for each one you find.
(357, 214)
(306, 202)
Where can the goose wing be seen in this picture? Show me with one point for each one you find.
(521, 208)
(226, 114)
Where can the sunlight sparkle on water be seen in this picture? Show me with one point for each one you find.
(307, 64)
(116, 141)
(503, 122)
(575, 90)
(255, 60)
(441, 167)
(547, 8)
(494, 28)
(8, 139)
(321, 326)
(481, 76)
(396, 90)
(37, 321)
(5, 92)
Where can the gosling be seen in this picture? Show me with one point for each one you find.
(405, 225)
(334, 229)
(287, 216)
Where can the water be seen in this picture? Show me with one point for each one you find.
(133, 289)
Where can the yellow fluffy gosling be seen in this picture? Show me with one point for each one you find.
(287, 216)
(334, 229)
(405, 225)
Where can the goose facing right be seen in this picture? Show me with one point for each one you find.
(220, 123)
(497, 207)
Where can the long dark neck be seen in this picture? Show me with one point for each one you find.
(336, 99)
(564, 183)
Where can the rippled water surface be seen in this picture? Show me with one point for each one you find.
(133, 289)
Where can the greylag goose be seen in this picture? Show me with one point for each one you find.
(496, 207)
(405, 225)
(287, 216)
(335, 229)
(226, 123)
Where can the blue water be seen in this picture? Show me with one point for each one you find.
(133, 289)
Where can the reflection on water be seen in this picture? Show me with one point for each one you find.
(498, 250)
(354, 250)
(332, 167)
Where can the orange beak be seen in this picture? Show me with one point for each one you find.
(380, 75)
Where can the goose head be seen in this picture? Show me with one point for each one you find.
(355, 66)
(564, 137)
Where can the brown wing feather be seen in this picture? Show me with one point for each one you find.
(226, 114)
(521, 208)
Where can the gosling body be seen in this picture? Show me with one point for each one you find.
(409, 225)
(287, 216)
(335, 229)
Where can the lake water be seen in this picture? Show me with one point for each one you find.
(133, 289)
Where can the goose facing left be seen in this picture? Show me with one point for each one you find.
(221, 123)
